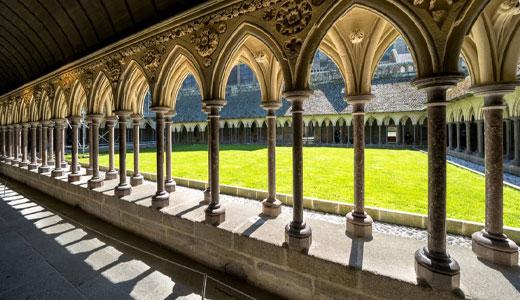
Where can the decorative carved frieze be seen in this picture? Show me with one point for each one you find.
(293, 16)
(152, 58)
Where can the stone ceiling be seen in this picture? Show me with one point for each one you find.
(38, 36)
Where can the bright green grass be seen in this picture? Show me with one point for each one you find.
(394, 179)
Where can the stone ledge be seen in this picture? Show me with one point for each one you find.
(454, 226)
(260, 261)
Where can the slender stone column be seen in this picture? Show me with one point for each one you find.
(59, 124)
(34, 162)
(348, 135)
(215, 212)
(162, 197)
(298, 234)
(44, 167)
(415, 134)
(111, 173)
(2, 128)
(271, 206)
(9, 157)
(40, 142)
(508, 139)
(492, 244)
(90, 154)
(74, 174)
(137, 178)
(359, 223)
(433, 265)
(50, 143)
(480, 137)
(450, 136)
(516, 160)
(207, 191)
(459, 147)
(25, 139)
(123, 188)
(380, 139)
(63, 139)
(95, 181)
(468, 137)
(16, 145)
(169, 184)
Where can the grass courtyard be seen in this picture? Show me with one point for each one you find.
(394, 179)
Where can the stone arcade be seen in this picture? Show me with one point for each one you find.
(277, 39)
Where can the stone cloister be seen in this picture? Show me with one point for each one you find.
(277, 40)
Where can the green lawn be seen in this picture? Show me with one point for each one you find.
(395, 179)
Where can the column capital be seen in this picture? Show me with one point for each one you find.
(160, 109)
(123, 115)
(494, 89)
(169, 115)
(75, 120)
(136, 118)
(209, 103)
(60, 122)
(439, 81)
(45, 123)
(26, 125)
(301, 95)
(111, 121)
(271, 105)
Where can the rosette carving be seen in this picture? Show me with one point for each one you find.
(293, 16)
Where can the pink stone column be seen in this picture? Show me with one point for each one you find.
(16, 144)
(215, 212)
(44, 168)
(25, 140)
(169, 183)
(3, 128)
(137, 178)
(63, 140)
(95, 181)
(74, 174)
(40, 142)
(162, 197)
(123, 189)
(359, 223)
(433, 264)
(271, 206)
(50, 143)
(480, 137)
(298, 234)
(491, 244)
(468, 137)
(89, 126)
(111, 172)
(58, 171)
(207, 191)
(34, 162)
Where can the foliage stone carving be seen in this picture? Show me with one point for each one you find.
(438, 9)
(152, 58)
(293, 16)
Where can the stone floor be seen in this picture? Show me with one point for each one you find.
(390, 253)
(71, 255)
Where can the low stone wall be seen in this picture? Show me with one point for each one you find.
(454, 226)
(272, 267)
(508, 168)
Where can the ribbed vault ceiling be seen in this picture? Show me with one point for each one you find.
(38, 36)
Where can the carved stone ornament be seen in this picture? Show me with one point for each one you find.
(152, 58)
(293, 16)
(438, 9)
(114, 69)
(260, 57)
(293, 46)
(510, 7)
(205, 41)
(356, 36)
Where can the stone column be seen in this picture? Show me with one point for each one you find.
(44, 167)
(111, 173)
(433, 265)
(415, 134)
(468, 137)
(74, 174)
(348, 135)
(34, 162)
(508, 139)
(8, 144)
(137, 178)
(169, 184)
(480, 138)
(359, 223)
(50, 141)
(123, 188)
(492, 244)
(516, 136)
(207, 191)
(459, 147)
(89, 126)
(162, 197)
(63, 140)
(271, 206)
(59, 124)
(16, 140)
(25, 138)
(298, 234)
(215, 212)
(2, 128)
(40, 142)
(450, 136)
(95, 181)
(380, 139)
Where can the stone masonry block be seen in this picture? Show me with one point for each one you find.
(259, 249)
(215, 235)
(284, 282)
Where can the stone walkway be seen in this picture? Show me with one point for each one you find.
(46, 255)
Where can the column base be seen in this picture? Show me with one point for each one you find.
(89, 171)
(23, 164)
(33, 166)
(56, 173)
(44, 169)
(271, 208)
(495, 249)
(160, 200)
(8, 160)
(78, 168)
(170, 185)
(14, 162)
(215, 215)
(298, 237)
(123, 190)
(440, 272)
(39, 160)
(207, 196)
(50, 163)
(74, 177)
(359, 226)
(111, 175)
(64, 165)
(136, 180)
(95, 183)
